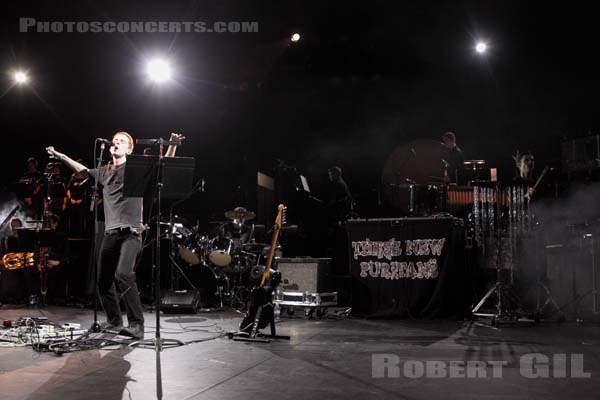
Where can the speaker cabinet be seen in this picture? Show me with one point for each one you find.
(305, 274)
(180, 302)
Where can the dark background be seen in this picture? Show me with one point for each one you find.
(365, 78)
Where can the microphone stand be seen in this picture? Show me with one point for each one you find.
(95, 245)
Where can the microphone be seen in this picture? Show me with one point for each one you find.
(105, 141)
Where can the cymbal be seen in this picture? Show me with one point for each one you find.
(254, 245)
(176, 220)
(240, 214)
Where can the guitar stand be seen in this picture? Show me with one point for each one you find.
(255, 335)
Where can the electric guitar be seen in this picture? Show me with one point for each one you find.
(260, 311)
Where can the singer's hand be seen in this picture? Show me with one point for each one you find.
(53, 153)
(176, 137)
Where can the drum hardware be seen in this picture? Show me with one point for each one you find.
(170, 236)
(214, 287)
(241, 214)
(221, 250)
(257, 271)
(505, 296)
(501, 220)
(224, 261)
(278, 251)
(194, 249)
(417, 199)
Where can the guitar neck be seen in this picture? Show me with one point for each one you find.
(274, 239)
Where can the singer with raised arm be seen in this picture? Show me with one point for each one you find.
(122, 237)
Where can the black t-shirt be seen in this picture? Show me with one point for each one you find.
(340, 199)
(455, 161)
(119, 211)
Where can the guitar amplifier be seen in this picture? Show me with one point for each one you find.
(312, 275)
(180, 302)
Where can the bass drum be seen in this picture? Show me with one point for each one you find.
(194, 250)
(212, 283)
(221, 251)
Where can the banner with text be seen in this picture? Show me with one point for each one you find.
(406, 267)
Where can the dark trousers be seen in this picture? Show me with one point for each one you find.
(117, 267)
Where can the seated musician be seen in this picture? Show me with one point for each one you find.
(454, 158)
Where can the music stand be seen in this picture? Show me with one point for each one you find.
(173, 178)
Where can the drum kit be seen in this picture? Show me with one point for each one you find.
(220, 264)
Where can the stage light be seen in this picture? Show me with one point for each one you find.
(481, 47)
(20, 77)
(295, 37)
(159, 70)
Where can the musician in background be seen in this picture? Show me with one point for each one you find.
(34, 196)
(10, 243)
(525, 164)
(340, 202)
(32, 173)
(80, 219)
(454, 157)
(55, 189)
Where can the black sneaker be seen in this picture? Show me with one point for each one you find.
(134, 331)
(111, 328)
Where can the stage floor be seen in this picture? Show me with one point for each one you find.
(330, 358)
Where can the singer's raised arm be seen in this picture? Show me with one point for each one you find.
(74, 165)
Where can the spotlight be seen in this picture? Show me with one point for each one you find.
(20, 77)
(159, 70)
(481, 47)
(295, 37)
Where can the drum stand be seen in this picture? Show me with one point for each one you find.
(507, 302)
(172, 258)
(508, 305)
